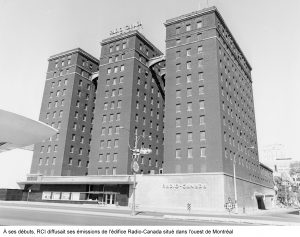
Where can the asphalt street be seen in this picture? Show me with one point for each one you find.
(67, 215)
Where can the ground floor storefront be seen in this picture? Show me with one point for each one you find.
(166, 192)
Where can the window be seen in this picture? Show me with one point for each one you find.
(104, 119)
(189, 106)
(118, 117)
(115, 157)
(189, 65)
(178, 67)
(178, 108)
(73, 137)
(119, 104)
(116, 144)
(188, 39)
(110, 60)
(53, 160)
(117, 130)
(81, 139)
(101, 144)
(150, 163)
(200, 62)
(190, 136)
(178, 137)
(178, 121)
(202, 135)
(109, 130)
(200, 49)
(202, 122)
(178, 80)
(75, 126)
(70, 161)
(111, 117)
(108, 144)
(190, 153)
(113, 93)
(105, 105)
(202, 152)
(178, 94)
(108, 70)
(122, 68)
(189, 121)
(188, 27)
(188, 52)
(107, 157)
(189, 92)
(116, 69)
(201, 90)
(201, 104)
(200, 76)
(121, 79)
(120, 91)
(71, 149)
(199, 24)
(178, 153)
(177, 30)
(177, 54)
(189, 78)
(117, 47)
(83, 129)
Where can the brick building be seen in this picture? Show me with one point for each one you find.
(68, 104)
(130, 103)
(192, 106)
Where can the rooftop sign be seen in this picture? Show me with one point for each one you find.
(125, 29)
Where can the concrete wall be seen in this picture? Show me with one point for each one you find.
(154, 192)
(247, 193)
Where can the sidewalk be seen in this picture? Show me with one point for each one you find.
(281, 216)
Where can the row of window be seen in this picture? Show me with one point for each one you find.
(190, 121)
(108, 171)
(81, 139)
(189, 154)
(111, 117)
(190, 137)
(108, 157)
(189, 27)
(59, 83)
(188, 52)
(48, 149)
(83, 128)
(47, 161)
(189, 64)
(110, 130)
(115, 80)
(113, 92)
(189, 78)
(109, 143)
(80, 150)
(59, 114)
(79, 162)
(112, 105)
(189, 92)
(116, 69)
(117, 46)
(55, 103)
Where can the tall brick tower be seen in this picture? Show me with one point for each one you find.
(68, 105)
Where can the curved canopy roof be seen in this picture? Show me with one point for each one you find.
(17, 131)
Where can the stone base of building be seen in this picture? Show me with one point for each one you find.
(182, 193)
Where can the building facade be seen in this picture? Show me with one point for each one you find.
(192, 106)
(68, 104)
(129, 106)
(209, 99)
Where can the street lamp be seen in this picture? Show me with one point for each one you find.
(134, 164)
(234, 180)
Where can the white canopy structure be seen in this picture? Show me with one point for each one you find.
(17, 131)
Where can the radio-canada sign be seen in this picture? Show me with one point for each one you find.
(125, 29)
(184, 186)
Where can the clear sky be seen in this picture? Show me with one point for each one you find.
(267, 31)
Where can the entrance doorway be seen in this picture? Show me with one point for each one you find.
(260, 202)
(110, 198)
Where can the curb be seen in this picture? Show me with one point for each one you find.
(234, 220)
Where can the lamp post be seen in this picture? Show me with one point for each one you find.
(134, 165)
(234, 181)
